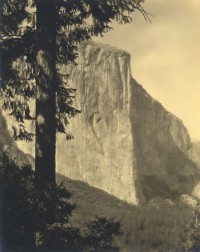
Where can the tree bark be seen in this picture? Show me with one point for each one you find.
(45, 146)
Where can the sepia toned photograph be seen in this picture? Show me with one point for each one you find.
(100, 125)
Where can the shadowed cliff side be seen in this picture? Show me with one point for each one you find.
(163, 149)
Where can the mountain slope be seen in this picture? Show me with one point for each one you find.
(154, 227)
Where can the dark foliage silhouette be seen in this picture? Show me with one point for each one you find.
(25, 220)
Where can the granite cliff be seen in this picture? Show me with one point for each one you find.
(102, 152)
(125, 142)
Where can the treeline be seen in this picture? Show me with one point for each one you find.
(157, 226)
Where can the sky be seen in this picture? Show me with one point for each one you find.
(165, 55)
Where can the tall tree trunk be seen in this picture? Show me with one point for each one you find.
(46, 95)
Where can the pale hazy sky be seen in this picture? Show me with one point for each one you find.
(166, 55)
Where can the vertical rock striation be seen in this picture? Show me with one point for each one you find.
(103, 146)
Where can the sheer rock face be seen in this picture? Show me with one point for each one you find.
(163, 149)
(124, 142)
(102, 152)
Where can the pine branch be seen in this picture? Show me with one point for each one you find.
(12, 15)
(65, 109)
(12, 49)
(21, 134)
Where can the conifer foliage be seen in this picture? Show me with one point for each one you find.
(25, 223)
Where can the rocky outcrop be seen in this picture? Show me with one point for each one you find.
(125, 142)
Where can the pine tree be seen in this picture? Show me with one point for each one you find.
(100, 233)
(41, 35)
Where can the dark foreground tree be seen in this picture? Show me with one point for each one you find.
(41, 35)
(99, 234)
(25, 218)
